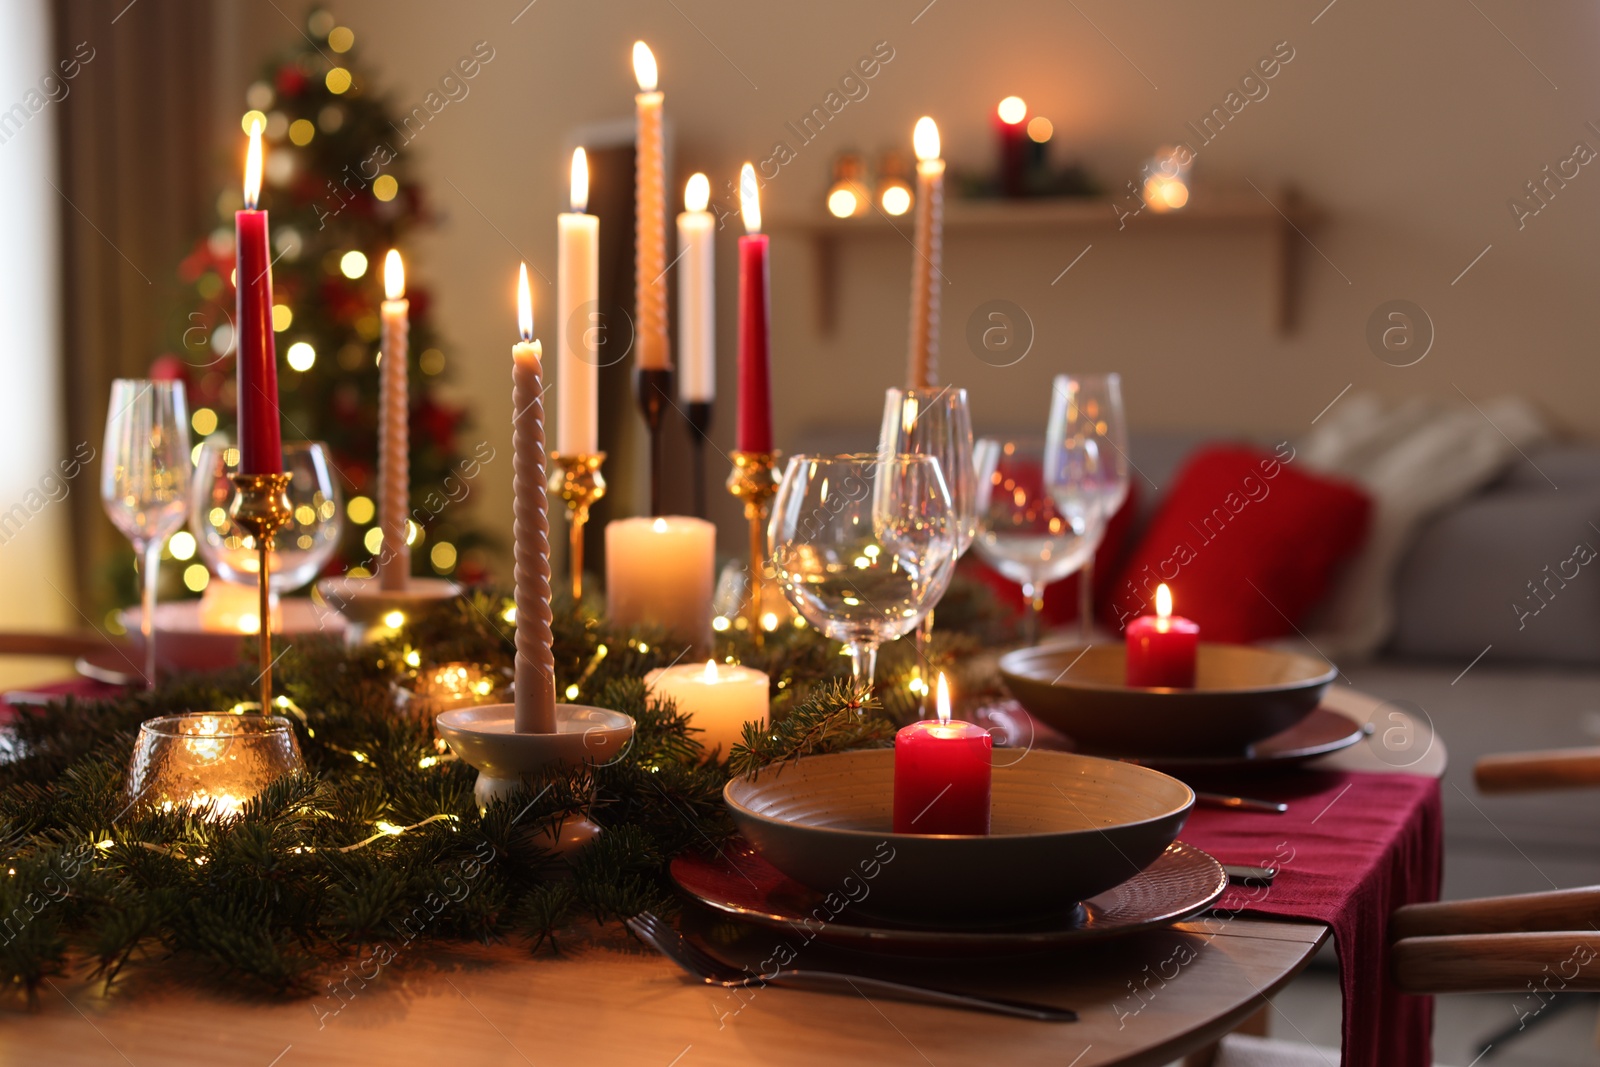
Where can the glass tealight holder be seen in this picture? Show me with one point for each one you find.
(210, 763)
(455, 685)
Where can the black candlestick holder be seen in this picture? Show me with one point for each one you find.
(654, 389)
(700, 425)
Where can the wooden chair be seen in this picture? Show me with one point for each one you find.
(1535, 944)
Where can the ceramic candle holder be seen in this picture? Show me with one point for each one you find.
(507, 761)
(366, 606)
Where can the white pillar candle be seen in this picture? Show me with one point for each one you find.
(697, 306)
(661, 573)
(577, 296)
(650, 218)
(718, 698)
(394, 474)
(929, 242)
(530, 530)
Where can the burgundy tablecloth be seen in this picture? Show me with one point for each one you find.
(1351, 849)
(78, 687)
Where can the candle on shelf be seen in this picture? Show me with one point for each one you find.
(1161, 647)
(928, 245)
(577, 297)
(697, 309)
(661, 573)
(650, 261)
(755, 387)
(941, 774)
(394, 412)
(1009, 129)
(260, 443)
(530, 531)
(718, 698)
(226, 608)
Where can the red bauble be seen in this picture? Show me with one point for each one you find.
(291, 80)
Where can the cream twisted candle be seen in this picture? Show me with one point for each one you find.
(650, 260)
(929, 245)
(530, 533)
(394, 475)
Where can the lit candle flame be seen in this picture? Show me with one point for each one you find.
(524, 304)
(1013, 109)
(394, 275)
(697, 194)
(942, 699)
(644, 67)
(711, 672)
(252, 168)
(1163, 601)
(749, 199)
(580, 180)
(659, 526)
(925, 139)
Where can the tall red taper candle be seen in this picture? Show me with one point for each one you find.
(260, 444)
(755, 385)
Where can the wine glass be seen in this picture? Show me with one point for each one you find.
(1086, 461)
(301, 548)
(938, 423)
(863, 546)
(144, 480)
(1022, 532)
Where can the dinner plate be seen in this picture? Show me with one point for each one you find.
(182, 644)
(736, 881)
(1319, 734)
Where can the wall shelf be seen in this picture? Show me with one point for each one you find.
(1287, 216)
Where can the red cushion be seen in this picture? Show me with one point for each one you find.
(1233, 516)
(1061, 598)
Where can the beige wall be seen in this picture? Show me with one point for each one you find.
(1411, 125)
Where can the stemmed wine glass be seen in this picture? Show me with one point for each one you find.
(144, 480)
(1022, 532)
(863, 545)
(938, 423)
(1086, 462)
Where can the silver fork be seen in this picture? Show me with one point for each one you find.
(700, 964)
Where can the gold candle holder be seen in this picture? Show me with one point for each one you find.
(754, 480)
(576, 478)
(261, 509)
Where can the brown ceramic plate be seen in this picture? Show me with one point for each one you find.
(1065, 827)
(1181, 883)
(1319, 734)
(1241, 695)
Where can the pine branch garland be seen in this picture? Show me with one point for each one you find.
(306, 879)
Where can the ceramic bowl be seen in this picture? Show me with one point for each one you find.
(1241, 695)
(1065, 827)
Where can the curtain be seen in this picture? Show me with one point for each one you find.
(134, 182)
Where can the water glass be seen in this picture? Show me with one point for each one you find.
(863, 546)
(144, 480)
(1086, 461)
(1022, 532)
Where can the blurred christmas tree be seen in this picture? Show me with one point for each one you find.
(338, 186)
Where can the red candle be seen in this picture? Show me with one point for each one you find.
(941, 775)
(1009, 117)
(1161, 647)
(755, 386)
(260, 448)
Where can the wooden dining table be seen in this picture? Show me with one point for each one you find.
(602, 998)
